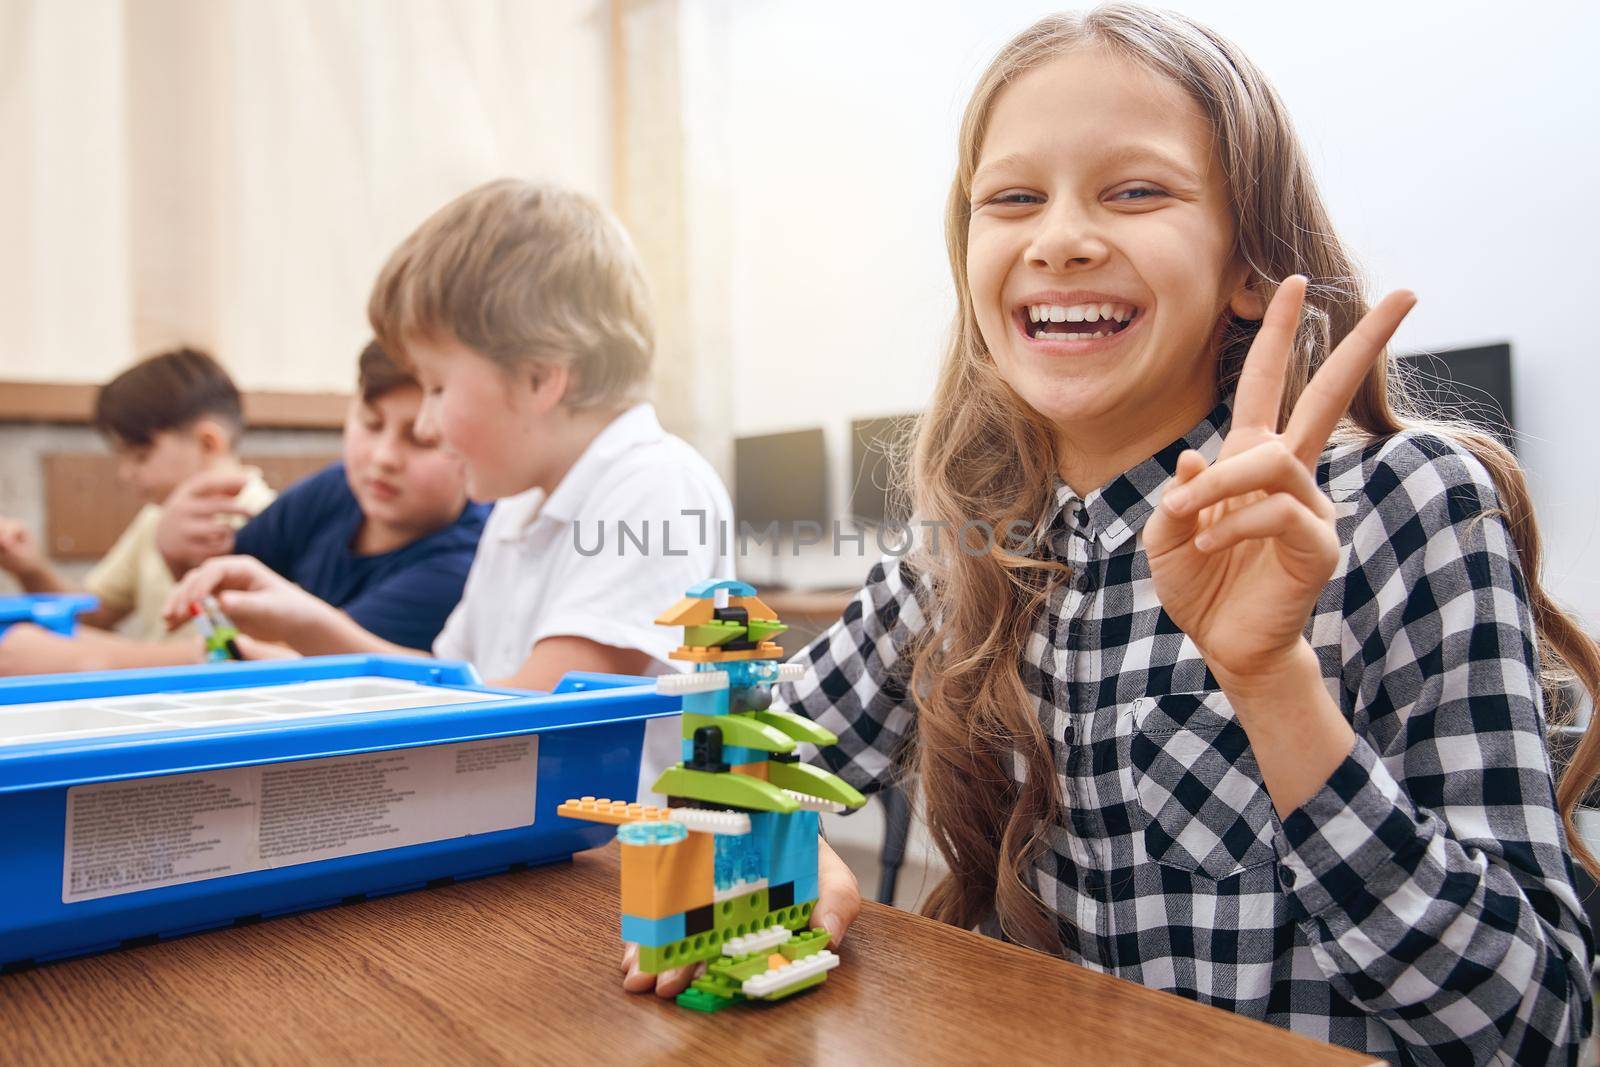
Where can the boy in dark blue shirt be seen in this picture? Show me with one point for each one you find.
(387, 536)
(309, 536)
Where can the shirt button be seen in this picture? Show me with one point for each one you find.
(1083, 583)
(1286, 876)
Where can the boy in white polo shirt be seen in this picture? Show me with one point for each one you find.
(560, 564)
(523, 311)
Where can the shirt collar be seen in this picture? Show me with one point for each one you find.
(634, 427)
(1118, 510)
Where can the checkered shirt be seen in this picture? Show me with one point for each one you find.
(1420, 906)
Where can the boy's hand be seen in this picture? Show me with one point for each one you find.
(19, 551)
(838, 905)
(253, 649)
(259, 601)
(196, 519)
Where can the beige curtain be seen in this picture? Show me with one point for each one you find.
(64, 293)
(233, 172)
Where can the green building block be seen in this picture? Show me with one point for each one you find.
(804, 944)
(653, 959)
(734, 790)
(699, 1000)
(812, 781)
(796, 726)
(741, 915)
(735, 917)
(761, 629)
(717, 984)
(741, 730)
(737, 970)
(711, 634)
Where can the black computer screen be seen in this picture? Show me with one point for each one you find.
(1472, 384)
(782, 478)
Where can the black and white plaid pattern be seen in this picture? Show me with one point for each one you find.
(1420, 906)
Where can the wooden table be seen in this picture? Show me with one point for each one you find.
(523, 969)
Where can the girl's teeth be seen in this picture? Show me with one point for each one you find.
(1053, 313)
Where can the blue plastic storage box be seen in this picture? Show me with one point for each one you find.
(144, 804)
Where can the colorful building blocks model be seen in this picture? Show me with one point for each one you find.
(221, 636)
(726, 875)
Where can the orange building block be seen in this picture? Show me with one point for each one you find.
(614, 812)
(662, 880)
(754, 770)
(711, 654)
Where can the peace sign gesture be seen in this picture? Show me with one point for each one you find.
(1241, 549)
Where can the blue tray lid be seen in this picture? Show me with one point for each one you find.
(582, 699)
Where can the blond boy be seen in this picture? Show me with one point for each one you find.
(523, 311)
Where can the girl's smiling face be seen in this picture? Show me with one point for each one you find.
(1099, 208)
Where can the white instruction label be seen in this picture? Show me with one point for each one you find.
(151, 832)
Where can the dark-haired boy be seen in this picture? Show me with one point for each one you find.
(168, 418)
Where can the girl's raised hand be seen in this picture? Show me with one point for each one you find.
(1241, 549)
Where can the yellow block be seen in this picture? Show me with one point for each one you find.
(662, 880)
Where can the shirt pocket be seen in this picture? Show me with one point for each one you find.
(1205, 809)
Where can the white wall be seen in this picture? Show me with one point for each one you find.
(1455, 143)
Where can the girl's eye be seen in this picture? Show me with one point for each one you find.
(1137, 193)
(1012, 198)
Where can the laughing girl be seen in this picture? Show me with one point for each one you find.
(1257, 716)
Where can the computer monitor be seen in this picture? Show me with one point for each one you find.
(1472, 384)
(874, 499)
(782, 478)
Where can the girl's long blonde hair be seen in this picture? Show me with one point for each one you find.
(981, 451)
